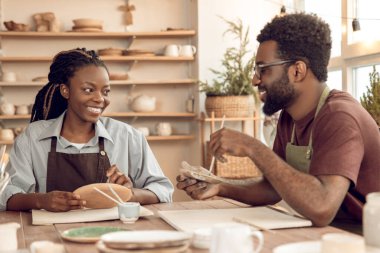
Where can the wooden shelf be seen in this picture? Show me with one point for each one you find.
(113, 83)
(149, 138)
(104, 58)
(170, 138)
(103, 35)
(120, 115)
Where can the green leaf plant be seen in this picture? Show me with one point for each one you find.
(371, 99)
(235, 76)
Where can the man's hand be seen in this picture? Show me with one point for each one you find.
(117, 177)
(197, 189)
(59, 201)
(229, 141)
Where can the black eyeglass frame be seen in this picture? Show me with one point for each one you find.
(257, 69)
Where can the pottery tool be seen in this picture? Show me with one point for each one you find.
(115, 194)
(213, 157)
(3, 160)
(107, 196)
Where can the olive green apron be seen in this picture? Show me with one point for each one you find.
(299, 156)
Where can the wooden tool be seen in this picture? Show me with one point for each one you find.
(96, 200)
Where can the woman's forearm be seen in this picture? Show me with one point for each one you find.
(24, 202)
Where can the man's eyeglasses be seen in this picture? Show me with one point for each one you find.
(260, 67)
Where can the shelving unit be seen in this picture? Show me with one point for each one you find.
(116, 59)
(113, 83)
(106, 35)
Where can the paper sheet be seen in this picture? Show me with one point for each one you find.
(189, 220)
(43, 217)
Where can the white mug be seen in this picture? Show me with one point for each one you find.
(339, 242)
(8, 235)
(164, 129)
(233, 237)
(187, 50)
(172, 50)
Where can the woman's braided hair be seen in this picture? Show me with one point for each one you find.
(63, 68)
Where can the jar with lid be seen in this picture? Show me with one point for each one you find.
(371, 219)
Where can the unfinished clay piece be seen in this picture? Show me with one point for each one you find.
(95, 199)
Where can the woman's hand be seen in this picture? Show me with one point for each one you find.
(197, 189)
(117, 177)
(59, 201)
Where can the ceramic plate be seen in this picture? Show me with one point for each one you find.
(87, 234)
(309, 247)
(145, 239)
(175, 249)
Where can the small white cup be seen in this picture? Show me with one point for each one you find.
(339, 242)
(233, 237)
(172, 50)
(8, 235)
(187, 50)
(164, 129)
(129, 212)
(9, 77)
(46, 247)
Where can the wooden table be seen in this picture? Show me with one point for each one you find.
(29, 233)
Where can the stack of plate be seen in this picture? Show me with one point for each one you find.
(138, 52)
(147, 241)
(111, 51)
(87, 25)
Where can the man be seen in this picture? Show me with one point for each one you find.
(326, 153)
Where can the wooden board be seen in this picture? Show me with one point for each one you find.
(190, 220)
(43, 217)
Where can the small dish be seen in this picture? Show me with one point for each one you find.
(102, 248)
(87, 234)
(111, 51)
(145, 239)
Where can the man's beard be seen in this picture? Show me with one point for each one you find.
(279, 95)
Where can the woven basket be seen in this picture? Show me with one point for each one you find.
(235, 167)
(230, 106)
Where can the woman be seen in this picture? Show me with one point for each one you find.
(68, 144)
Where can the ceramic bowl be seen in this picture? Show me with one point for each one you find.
(87, 22)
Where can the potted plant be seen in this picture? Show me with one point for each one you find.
(371, 99)
(231, 92)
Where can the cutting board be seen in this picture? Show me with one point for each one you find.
(264, 217)
(43, 217)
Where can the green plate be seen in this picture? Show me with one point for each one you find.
(88, 234)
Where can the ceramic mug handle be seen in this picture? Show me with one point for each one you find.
(260, 239)
(194, 49)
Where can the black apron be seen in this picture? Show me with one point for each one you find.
(67, 172)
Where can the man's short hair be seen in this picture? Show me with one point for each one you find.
(301, 36)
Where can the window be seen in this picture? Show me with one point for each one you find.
(367, 12)
(334, 79)
(361, 80)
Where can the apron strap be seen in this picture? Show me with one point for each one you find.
(321, 102)
(53, 144)
(101, 144)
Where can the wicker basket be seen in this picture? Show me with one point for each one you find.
(235, 167)
(230, 106)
